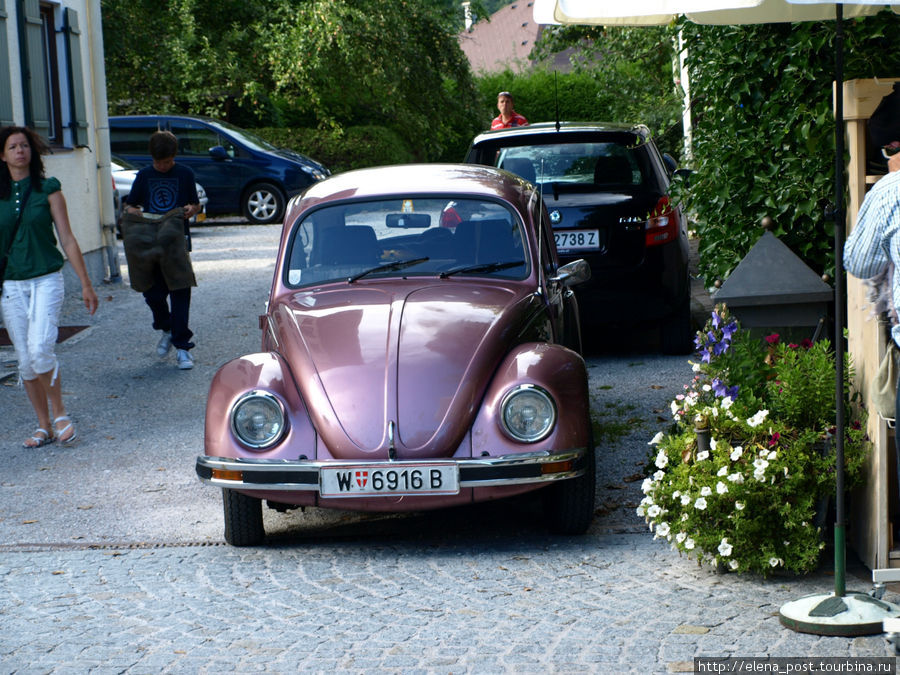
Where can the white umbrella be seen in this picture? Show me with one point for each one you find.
(827, 614)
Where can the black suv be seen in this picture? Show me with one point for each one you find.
(606, 188)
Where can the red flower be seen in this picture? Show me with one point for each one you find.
(773, 338)
(806, 343)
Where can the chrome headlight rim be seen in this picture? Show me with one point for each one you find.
(269, 398)
(532, 389)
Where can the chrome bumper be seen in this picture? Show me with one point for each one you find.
(303, 475)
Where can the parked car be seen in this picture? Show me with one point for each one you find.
(242, 173)
(123, 174)
(607, 188)
(407, 364)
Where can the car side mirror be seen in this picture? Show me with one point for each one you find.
(573, 273)
(218, 153)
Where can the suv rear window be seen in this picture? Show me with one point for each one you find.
(601, 164)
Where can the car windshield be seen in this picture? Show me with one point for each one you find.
(602, 164)
(246, 137)
(413, 236)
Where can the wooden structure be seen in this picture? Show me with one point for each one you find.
(874, 506)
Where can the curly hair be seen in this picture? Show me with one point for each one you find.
(36, 168)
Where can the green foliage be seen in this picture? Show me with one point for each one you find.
(763, 132)
(748, 460)
(318, 64)
(343, 149)
(369, 62)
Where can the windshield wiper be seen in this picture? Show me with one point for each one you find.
(488, 267)
(396, 265)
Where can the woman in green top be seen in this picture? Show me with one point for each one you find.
(33, 284)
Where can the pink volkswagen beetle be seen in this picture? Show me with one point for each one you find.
(407, 362)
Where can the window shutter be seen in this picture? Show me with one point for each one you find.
(34, 76)
(78, 116)
(6, 111)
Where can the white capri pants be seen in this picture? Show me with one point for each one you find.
(31, 310)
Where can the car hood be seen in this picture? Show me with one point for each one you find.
(408, 362)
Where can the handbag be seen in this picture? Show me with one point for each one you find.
(13, 237)
(883, 389)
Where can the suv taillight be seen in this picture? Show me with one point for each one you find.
(662, 225)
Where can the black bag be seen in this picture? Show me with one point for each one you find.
(12, 239)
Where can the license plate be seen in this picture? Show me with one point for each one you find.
(575, 240)
(361, 480)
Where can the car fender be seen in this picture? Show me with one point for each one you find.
(556, 369)
(265, 371)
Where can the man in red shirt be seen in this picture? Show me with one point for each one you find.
(508, 117)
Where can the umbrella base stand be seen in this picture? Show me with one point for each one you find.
(848, 615)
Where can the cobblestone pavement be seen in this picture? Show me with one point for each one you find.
(111, 554)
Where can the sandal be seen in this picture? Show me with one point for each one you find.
(60, 432)
(38, 441)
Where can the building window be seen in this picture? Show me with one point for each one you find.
(51, 72)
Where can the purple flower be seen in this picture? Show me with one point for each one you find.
(730, 330)
(720, 348)
(716, 319)
(721, 390)
(707, 354)
(698, 341)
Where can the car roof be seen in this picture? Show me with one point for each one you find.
(438, 179)
(548, 129)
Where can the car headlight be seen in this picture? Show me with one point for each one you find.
(258, 420)
(528, 413)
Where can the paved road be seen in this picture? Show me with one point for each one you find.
(111, 554)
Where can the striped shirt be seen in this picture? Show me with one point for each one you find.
(875, 241)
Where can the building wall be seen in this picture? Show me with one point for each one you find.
(79, 158)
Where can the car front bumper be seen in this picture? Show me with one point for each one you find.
(304, 475)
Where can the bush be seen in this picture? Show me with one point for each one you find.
(343, 149)
(744, 468)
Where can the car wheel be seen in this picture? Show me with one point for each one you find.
(569, 504)
(263, 204)
(243, 519)
(677, 333)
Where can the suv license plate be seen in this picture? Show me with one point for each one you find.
(362, 480)
(577, 240)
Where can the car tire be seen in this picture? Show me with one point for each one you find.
(676, 334)
(243, 519)
(263, 204)
(569, 504)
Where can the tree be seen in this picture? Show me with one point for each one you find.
(395, 64)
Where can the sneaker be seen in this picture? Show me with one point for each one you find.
(184, 359)
(164, 344)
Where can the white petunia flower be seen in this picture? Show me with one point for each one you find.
(707, 387)
(640, 510)
(685, 500)
(758, 418)
(662, 530)
(654, 511)
(700, 504)
(656, 439)
(723, 471)
(703, 454)
(726, 402)
(772, 456)
(659, 475)
(761, 464)
(647, 485)
(695, 367)
(724, 547)
(676, 494)
(733, 564)
(662, 459)
(689, 543)
(736, 453)
(705, 491)
(721, 488)
(680, 537)
(739, 506)
(713, 443)
(775, 562)
(684, 517)
(673, 406)
(736, 478)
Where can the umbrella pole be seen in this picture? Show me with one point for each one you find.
(838, 613)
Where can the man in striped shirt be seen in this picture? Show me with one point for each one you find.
(508, 117)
